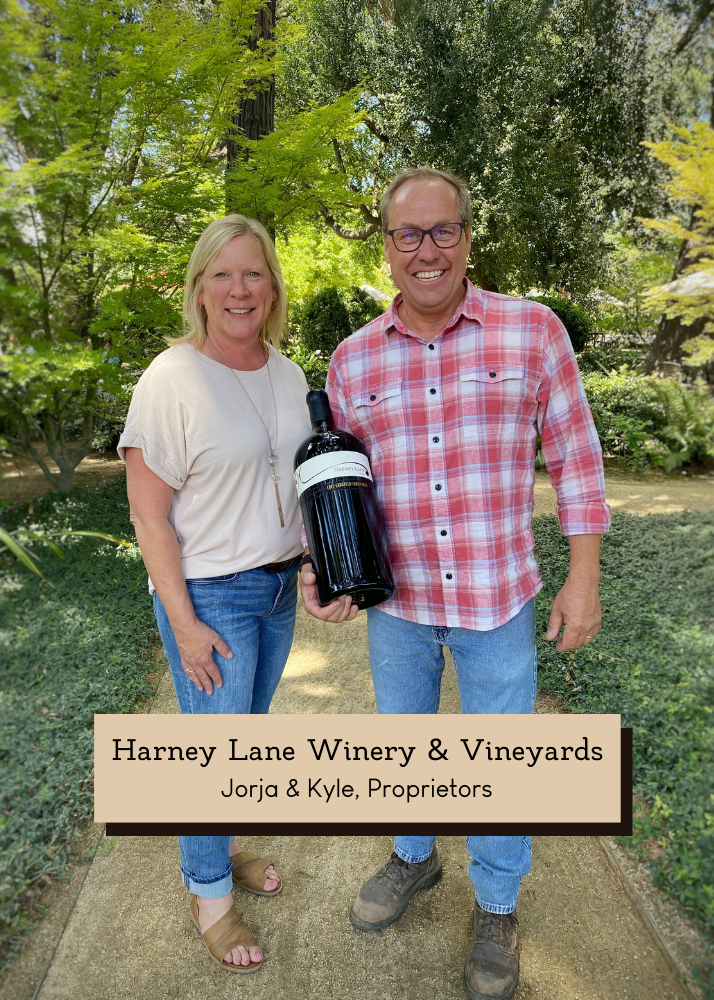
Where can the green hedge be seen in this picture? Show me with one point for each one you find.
(66, 652)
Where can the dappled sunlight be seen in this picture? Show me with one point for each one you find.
(319, 690)
(305, 660)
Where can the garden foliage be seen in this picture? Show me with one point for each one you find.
(689, 154)
(574, 319)
(333, 314)
(79, 647)
(644, 421)
(542, 107)
(113, 123)
(653, 663)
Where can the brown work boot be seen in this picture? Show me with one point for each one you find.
(491, 970)
(384, 897)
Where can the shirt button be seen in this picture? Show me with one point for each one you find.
(438, 486)
(431, 347)
(448, 576)
(492, 374)
(435, 440)
(443, 532)
(432, 391)
(373, 398)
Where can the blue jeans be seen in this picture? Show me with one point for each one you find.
(497, 674)
(254, 612)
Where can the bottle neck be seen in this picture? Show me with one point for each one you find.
(322, 426)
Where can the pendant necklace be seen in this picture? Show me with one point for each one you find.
(273, 457)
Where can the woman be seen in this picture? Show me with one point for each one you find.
(209, 441)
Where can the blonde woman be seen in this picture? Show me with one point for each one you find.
(209, 442)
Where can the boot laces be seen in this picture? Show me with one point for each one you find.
(489, 925)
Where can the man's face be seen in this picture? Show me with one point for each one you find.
(430, 278)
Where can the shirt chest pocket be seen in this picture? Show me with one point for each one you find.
(380, 409)
(494, 392)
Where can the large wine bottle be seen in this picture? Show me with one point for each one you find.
(340, 512)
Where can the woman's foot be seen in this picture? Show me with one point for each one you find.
(272, 879)
(209, 912)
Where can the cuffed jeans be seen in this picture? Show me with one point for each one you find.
(497, 674)
(254, 612)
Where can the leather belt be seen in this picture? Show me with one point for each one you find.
(279, 567)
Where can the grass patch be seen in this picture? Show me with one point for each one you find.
(66, 652)
(652, 662)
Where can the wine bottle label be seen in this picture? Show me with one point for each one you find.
(335, 465)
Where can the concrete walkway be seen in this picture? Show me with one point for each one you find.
(121, 930)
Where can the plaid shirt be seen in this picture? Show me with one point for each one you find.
(450, 426)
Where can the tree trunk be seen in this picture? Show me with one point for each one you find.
(255, 117)
(476, 274)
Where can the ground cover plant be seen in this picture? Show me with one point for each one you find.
(66, 652)
(652, 662)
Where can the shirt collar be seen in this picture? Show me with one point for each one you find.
(471, 307)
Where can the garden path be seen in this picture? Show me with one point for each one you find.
(128, 936)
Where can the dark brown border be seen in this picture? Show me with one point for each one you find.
(621, 829)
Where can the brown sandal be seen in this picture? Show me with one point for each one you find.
(249, 872)
(226, 934)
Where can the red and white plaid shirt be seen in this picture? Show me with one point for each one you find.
(450, 426)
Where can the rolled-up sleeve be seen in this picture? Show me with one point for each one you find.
(571, 447)
(154, 423)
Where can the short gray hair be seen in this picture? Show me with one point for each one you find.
(210, 243)
(427, 174)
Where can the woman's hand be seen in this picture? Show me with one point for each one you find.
(196, 644)
(340, 610)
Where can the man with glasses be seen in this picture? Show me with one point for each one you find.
(449, 390)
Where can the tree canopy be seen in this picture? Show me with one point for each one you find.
(541, 106)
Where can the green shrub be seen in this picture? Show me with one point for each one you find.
(333, 314)
(314, 364)
(573, 319)
(605, 358)
(362, 308)
(324, 322)
(645, 421)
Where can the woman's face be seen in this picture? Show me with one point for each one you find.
(237, 291)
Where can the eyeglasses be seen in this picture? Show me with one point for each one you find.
(448, 234)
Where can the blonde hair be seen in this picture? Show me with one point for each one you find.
(427, 174)
(210, 243)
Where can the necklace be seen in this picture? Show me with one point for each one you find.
(273, 457)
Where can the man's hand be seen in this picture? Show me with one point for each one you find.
(196, 644)
(578, 603)
(578, 606)
(340, 610)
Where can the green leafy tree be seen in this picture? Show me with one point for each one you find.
(542, 106)
(689, 154)
(113, 130)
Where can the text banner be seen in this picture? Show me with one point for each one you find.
(467, 773)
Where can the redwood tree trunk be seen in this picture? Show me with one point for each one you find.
(255, 116)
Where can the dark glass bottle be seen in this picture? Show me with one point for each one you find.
(340, 512)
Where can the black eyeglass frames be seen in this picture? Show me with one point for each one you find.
(446, 234)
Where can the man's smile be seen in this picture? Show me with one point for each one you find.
(428, 275)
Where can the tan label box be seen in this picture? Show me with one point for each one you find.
(362, 773)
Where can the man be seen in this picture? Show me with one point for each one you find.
(449, 390)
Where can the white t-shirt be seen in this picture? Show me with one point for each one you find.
(199, 433)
